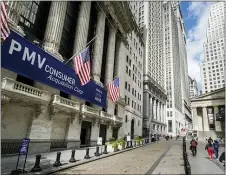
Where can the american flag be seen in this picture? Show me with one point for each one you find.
(4, 22)
(113, 89)
(82, 66)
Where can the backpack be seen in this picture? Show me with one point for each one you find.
(216, 146)
(193, 143)
(222, 157)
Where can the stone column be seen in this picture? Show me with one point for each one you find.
(217, 123)
(14, 10)
(110, 64)
(54, 28)
(154, 109)
(160, 112)
(195, 118)
(157, 110)
(205, 119)
(146, 105)
(120, 63)
(110, 55)
(98, 46)
(82, 27)
(73, 135)
(95, 132)
(109, 132)
(150, 107)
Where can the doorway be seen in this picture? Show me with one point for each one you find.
(132, 129)
(115, 133)
(103, 133)
(85, 133)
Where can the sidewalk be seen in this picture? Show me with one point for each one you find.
(47, 160)
(200, 164)
(172, 162)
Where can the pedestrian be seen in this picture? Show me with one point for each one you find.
(209, 148)
(171, 137)
(218, 139)
(216, 148)
(210, 139)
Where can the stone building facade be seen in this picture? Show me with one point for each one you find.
(52, 118)
(208, 113)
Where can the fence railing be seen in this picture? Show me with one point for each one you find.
(187, 166)
(10, 146)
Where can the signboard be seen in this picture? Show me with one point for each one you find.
(99, 141)
(128, 138)
(24, 146)
(24, 58)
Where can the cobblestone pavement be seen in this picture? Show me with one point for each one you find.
(200, 164)
(139, 161)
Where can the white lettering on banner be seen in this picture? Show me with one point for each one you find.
(59, 74)
(64, 84)
(16, 46)
(12, 46)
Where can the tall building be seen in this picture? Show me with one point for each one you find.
(186, 110)
(42, 98)
(213, 67)
(193, 88)
(154, 88)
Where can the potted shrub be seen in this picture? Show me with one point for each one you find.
(115, 146)
(109, 144)
(122, 144)
(142, 140)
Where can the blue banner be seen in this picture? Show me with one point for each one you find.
(24, 58)
(24, 146)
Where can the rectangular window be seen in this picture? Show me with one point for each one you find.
(170, 127)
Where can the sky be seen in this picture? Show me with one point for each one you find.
(195, 16)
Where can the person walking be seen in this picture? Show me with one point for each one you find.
(222, 158)
(210, 139)
(209, 148)
(216, 148)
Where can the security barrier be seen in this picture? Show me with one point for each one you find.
(187, 166)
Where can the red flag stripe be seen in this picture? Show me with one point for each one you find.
(4, 22)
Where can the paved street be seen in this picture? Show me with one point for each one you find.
(200, 164)
(163, 157)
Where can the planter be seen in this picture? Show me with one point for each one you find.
(121, 147)
(115, 149)
(138, 143)
(109, 148)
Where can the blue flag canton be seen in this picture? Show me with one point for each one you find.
(85, 55)
(116, 82)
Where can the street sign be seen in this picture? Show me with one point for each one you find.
(24, 146)
(128, 138)
(99, 141)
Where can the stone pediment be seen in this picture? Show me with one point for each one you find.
(217, 94)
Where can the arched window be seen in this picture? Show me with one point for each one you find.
(126, 119)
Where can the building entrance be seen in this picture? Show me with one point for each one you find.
(85, 133)
(103, 133)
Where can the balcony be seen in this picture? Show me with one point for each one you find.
(105, 116)
(117, 119)
(20, 92)
(90, 111)
(65, 105)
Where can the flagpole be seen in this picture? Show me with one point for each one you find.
(82, 49)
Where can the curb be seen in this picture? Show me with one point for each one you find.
(84, 161)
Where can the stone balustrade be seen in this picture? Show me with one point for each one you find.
(65, 104)
(117, 119)
(106, 116)
(15, 89)
(90, 111)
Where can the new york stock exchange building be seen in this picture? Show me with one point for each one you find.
(41, 96)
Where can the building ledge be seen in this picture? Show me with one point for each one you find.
(65, 105)
(19, 92)
(90, 111)
(117, 119)
(158, 122)
(105, 116)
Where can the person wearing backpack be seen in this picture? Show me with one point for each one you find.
(222, 158)
(209, 148)
(194, 144)
(216, 148)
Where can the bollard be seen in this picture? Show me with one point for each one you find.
(57, 163)
(131, 144)
(87, 154)
(105, 149)
(97, 151)
(72, 159)
(134, 144)
(37, 167)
